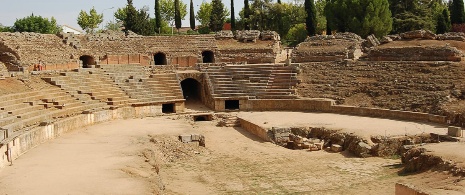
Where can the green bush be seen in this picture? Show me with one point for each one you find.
(204, 30)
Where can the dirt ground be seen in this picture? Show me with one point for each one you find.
(124, 156)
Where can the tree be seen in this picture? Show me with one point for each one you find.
(320, 16)
(310, 21)
(137, 21)
(363, 17)
(203, 15)
(246, 15)
(233, 16)
(457, 12)
(217, 16)
(296, 34)
(89, 21)
(113, 26)
(36, 24)
(177, 15)
(411, 15)
(192, 16)
(442, 23)
(6, 28)
(167, 11)
(157, 16)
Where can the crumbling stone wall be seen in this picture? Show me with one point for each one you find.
(416, 53)
(411, 86)
(328, 48)
(26, 49)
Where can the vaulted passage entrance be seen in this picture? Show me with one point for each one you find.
(191, 89)
(208, 57)
(160, 59)
(87, 61)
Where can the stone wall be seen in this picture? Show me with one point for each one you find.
(328, 48)
(416, 53)
(20, 51)
(409, 86)
(29, 139)
(26, 49)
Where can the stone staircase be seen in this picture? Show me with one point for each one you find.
(258, 81)
(143, 87)
(282, 56)
(27, 109)
(91, 83)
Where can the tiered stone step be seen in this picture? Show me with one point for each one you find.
(262, 81)
(97, 85)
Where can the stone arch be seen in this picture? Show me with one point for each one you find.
(208, 56)
(87, 61)
(160, 59)
(191, 89)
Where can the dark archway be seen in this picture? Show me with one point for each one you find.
(208, 57)
(160, 59)
(191, 89)
(87, 61)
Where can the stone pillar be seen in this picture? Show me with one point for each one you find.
(454, 131)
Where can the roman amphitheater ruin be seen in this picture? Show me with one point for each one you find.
(117, 113)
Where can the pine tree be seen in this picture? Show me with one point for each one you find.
(192, 16)
(233, 17)
(457, 12)
(311, 17)
(246, 15)
(177, 15)
(157, 16)
(363, 17)
(217, 16)
(443, 22)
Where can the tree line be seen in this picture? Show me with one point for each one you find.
(294, 20)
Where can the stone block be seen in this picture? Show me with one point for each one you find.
(454, 131)
(195, 137)
(306, 146)
(2, 134)
(336, 148)
(319, 146)
(185, 138)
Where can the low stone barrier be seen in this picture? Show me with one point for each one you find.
(23, 141)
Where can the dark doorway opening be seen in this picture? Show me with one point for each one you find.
(208, 57)
(191, 90)
(231, 104)
(198, 118)
(87, 61)
(168, 108)
(160, 59)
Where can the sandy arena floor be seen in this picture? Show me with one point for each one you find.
(107, 159)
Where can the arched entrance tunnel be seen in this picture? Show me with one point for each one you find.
(87, 61)
(191, 89)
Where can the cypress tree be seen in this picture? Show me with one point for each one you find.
(217, 16)
(457, 12)
(157, 16)
(192, 16)
(441, 24)
(233, 17)
(311, 17)
(279, 1)
(177, 15)
(246, 15)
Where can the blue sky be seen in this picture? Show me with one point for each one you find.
(66, 12)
